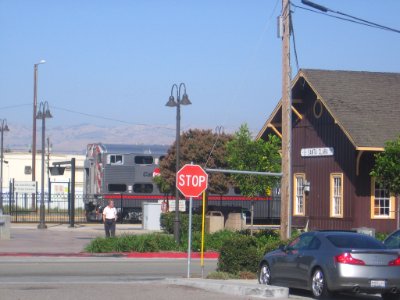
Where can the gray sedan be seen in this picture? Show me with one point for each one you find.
(325, 262)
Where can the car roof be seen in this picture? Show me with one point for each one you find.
(340, 232)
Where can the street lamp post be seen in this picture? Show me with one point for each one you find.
(172, 103)
(33, 148)
(3, 128)
(43, 113)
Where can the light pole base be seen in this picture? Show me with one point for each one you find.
(42, 226)
(176, 231)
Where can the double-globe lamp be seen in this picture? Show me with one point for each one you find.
(172, 102)
(43, 114)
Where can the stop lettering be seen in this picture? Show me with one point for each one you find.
(191, 180)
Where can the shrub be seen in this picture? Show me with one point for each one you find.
(381, 236)
(133, 243)
(101, 245)
(215, 240)
(239, 253)
(167, 221)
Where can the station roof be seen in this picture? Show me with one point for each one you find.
(366, 105)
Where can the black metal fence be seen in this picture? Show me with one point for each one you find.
(25, 208)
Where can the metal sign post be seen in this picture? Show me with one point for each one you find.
(189, 237)
(191, 181)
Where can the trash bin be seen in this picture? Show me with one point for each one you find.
(235, 221)
(214, 221)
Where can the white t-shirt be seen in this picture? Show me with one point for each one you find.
(110, 213)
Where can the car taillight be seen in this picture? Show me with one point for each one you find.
(395, 262)
(346, 258)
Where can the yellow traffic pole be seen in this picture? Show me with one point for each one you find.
(202, 235)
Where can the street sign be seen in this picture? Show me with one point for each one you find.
(191, 180)
(25, 187)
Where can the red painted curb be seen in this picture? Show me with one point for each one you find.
(207, 255)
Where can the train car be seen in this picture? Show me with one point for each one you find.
(124, 173)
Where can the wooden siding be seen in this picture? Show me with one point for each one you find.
(312, 132)
(320, 132)
(363, 198)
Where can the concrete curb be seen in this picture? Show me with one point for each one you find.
(234, 287)
(167, 255)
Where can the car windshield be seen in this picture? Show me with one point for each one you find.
(355, 241)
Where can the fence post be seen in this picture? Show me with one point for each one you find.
(72, 216)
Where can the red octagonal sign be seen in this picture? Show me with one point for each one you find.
(191, 180)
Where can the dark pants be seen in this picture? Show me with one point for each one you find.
(109, 227)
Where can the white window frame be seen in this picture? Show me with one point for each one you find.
(378, 198)
(299, 197)
(336, 195)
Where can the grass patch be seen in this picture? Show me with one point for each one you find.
(221, 276)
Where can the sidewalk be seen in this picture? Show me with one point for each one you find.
(61, 240)
(57, 238)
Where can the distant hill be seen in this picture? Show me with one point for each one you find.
(75, 138)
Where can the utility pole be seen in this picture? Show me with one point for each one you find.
(285, 229)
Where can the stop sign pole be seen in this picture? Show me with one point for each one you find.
(191, 181)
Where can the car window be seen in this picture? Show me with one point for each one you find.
(355, 241)
(303, 242)
(393, 241)
(315, 244)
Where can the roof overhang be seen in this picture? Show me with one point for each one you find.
(269, 124)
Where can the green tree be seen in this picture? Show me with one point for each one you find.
(387, 167)
(196, 146)
(247, 154)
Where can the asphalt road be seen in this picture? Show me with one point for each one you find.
(110, 278)
(120, 291)
(17, 269)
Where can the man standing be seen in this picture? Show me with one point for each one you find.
(110, 218)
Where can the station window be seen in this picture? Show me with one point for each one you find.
(117, 187)
(382, 202)
(299, 196)
(144, 160)
(143, 188)
(336, 195)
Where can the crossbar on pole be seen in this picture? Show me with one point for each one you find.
(243, 172)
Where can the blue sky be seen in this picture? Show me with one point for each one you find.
(119, 59)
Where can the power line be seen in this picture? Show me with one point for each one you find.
(324, 11)
(294, 40)
(110, 119)
(218, 131)
(15, 106)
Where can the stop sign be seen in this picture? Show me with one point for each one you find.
(191, 180)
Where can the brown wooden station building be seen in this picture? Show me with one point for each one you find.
(340, 120)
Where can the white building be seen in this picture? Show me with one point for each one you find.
(17, 167)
